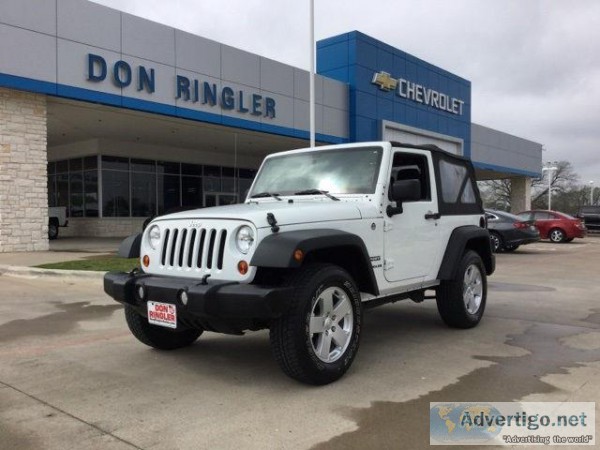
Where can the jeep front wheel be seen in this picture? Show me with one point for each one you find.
(316, 341)
(159, 337)
(461, 301)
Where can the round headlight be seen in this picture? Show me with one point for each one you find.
(154, 237)
(244, 239)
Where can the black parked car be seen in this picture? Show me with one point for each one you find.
(508, 232)
(590, 215)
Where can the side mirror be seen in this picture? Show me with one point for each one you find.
(403, 191)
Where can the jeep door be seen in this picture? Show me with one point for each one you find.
(411, 242)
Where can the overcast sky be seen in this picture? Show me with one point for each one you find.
(534, 64)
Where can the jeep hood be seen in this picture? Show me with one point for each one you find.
(285, 213)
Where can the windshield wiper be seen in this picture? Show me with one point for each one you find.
(317, 191)
(266, 194)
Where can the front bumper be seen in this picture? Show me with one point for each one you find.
(217, 300)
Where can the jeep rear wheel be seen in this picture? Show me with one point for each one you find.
(461, 301)
(316, 341)
(159, 337)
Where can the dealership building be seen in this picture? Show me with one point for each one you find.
(118, 118)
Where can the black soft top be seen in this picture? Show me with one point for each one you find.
(432, 148)
(438, 154)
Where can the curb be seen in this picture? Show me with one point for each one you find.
(35, 272)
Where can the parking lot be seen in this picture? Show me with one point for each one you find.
(72, 376)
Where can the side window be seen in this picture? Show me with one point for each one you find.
(456, 184)
(407, 166)
(542, 216)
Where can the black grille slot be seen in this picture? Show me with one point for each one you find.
(191, 248)
(221, 249)
(173, 247)
(182, 246)
(202, 238)
(211, 248)
(163, 258)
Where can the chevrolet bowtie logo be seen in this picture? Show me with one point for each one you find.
(384, 81)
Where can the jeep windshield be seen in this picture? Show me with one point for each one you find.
(340, 171)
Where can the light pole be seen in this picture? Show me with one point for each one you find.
(549, 168)
(591, 192)
(312, 75)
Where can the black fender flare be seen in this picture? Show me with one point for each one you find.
(462, 238)
(130, 247)
(277, 251)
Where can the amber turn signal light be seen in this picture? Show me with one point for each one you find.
(146, 260)
(243, 267)
(298, 255)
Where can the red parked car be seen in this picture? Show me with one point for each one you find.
(556, 226)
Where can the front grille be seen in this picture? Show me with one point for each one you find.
(193, 248)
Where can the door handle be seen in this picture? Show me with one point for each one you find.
(430, 215)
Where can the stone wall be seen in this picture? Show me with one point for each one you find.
(23, 177)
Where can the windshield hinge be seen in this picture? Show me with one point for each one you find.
(388, 225)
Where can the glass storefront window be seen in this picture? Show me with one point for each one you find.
(212, 184)
(62, 166)
(115, 163)
(243, 188)
(140, 187)
(90, 189)
(167, 167)
(90, 162)
(51, 190)
(143, 194)
(191, 169)
(212, 171)
(62, 189)
(143, 165)
(228, 184)
(169, 192)
(76, 194)
(115, 193)
(75, 164)
(191, 191)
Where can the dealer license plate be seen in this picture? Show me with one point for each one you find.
(163, 314)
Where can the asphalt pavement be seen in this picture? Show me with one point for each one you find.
(72, 376)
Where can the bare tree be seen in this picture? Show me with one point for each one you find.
(496, 194)
(564, 179)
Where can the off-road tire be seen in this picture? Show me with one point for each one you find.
(290, 337)
(557, 235)
(156, 336)
(496, 241)
(450, 296)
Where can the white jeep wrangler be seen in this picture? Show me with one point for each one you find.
(323, 234)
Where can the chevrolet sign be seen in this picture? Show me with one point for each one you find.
(418, 93)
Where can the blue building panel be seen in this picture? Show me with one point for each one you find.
(416, 93)
(334, 56)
